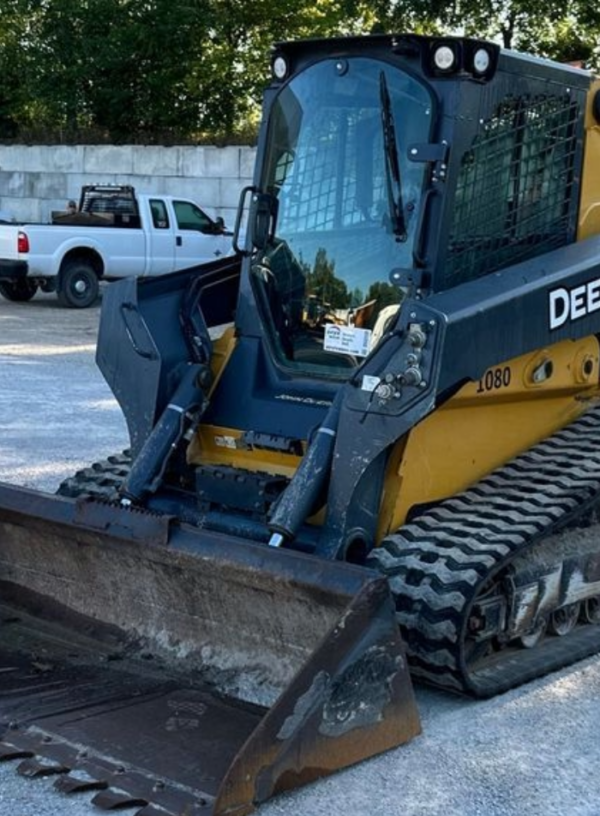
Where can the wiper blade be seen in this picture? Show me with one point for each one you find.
(392, 162)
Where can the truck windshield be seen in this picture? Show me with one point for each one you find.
(338, 149)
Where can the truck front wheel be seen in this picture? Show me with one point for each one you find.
(18, 291)
(79, 286)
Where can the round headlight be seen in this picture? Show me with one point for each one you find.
(444, 58)
(481, 60)
(280, 67)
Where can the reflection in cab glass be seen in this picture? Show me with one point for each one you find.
(347, 203)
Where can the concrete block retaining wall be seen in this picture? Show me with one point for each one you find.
(36, 179)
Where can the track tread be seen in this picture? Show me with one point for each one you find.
(100, 480)
(438, 563)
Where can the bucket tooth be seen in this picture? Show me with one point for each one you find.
(115, 799)
(9, 752)
(79, 781)
(38, 767)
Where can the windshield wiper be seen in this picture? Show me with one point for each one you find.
(392, 162)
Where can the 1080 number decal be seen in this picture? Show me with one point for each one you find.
(495, 378)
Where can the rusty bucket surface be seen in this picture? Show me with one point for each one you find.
(182, 671)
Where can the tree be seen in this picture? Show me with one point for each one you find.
(166, 70)
(13, 96)
(323, 283)
(384, 293)
(559, 29)
(121, 66)
(235, 65)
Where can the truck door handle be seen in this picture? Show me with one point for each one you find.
(178, 240)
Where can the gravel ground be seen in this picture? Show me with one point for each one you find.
(532, 752)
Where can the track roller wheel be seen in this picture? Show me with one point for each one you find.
(591, 610)
(564, 620)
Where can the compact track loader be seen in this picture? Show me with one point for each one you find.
(383, 410)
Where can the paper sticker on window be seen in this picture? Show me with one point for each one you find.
(347, 340)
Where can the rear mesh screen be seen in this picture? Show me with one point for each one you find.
(514, 187)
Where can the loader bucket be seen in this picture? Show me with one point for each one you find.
(158, 666)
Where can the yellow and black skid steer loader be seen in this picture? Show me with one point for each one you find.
(383, 410)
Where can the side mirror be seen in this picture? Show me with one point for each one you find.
(263, 215)
(219, 225)
(262, 218)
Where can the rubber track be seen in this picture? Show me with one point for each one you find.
(100, 480)
(438, 564)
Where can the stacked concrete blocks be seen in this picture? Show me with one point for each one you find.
(36, 179)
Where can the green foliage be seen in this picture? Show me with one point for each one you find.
(122, 67)
(565, 30)
(384, 293)
(323, 283)
(190, 70)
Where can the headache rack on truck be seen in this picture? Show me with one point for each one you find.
(110, 205)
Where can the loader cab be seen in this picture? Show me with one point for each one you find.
(394, 167)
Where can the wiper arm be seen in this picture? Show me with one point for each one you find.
(392, 162)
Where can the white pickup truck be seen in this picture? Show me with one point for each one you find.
(114, 233)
